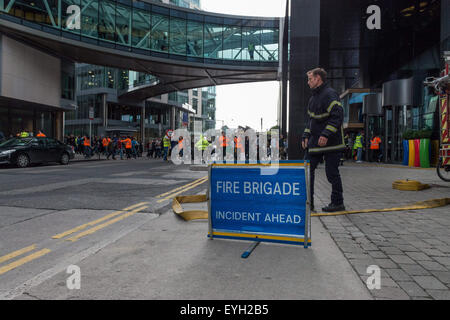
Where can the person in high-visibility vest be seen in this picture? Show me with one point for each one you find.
(40, 134)
(128, 146)
(238, 145)
(105, 142)
(224, 141)
(166, 145)
(180, 146)
(251, 50)
(87, 147)
(375, 148)
(202, 144)
(24, 134)
(358, 146)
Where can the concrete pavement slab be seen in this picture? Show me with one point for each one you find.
(168, 258)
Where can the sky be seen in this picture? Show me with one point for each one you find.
(246, 104)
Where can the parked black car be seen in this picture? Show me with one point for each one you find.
(24, 151)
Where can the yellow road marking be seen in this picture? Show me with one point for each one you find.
(24, 260)
(17, 253)
(171, 196)
(427, 204)
(84, 226)
(187, 185)
(134, 206)
(103, 225)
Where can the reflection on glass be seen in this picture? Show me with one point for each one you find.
(106, 25)
(251, 44)
(140, 27)
(178, 44)
(232, 43)
(123, 21)
(89, 18)
(194, 46)
(159, 33)
(213, 41)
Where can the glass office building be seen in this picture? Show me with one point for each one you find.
(99, 87)
(389, 63)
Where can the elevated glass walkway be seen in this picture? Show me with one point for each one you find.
(153, 30)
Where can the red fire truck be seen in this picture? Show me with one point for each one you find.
(442, 87)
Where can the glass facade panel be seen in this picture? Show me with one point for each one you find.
(89, 77)
(89, 18)
(160, 33)
(194, 45)
(269, 44)
(150, 27)
(4, 123)
(213, 41)
(67, 86)
(36, 11)
(178, 39)
(141, 29)
(123, 24)
(232, 43)
(110, 78)
(44, 122)
(251, 44)
(107, 24)
(21, 120)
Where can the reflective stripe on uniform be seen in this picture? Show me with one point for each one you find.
(332, 104)
(318, 116)
(331, 128)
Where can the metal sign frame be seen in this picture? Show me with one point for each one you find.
(249, 236)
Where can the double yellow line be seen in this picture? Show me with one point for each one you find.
(129, 211)
(173, 193)
(95, 225)
(23, 260)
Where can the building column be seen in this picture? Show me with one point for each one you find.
(172, 118)
(394, 137)
(386, 135)
(59, 134)
(304, 56)
(143, 125)
(282, 116)
(105, 111)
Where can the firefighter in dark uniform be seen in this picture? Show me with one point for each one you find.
(324, 136)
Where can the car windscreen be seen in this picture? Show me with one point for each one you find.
(14, 142)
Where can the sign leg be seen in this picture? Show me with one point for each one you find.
(250, 249)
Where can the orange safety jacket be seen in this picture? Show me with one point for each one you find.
(238, 144)
(223, 141)
(87, 142)
(106, 141)
(127, 143)
(40, 135)
(180, 144)
(375, 143)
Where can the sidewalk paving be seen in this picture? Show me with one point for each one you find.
(412, 248)
(169, 258)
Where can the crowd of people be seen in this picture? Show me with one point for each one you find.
(356, 147)
(126, 147)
